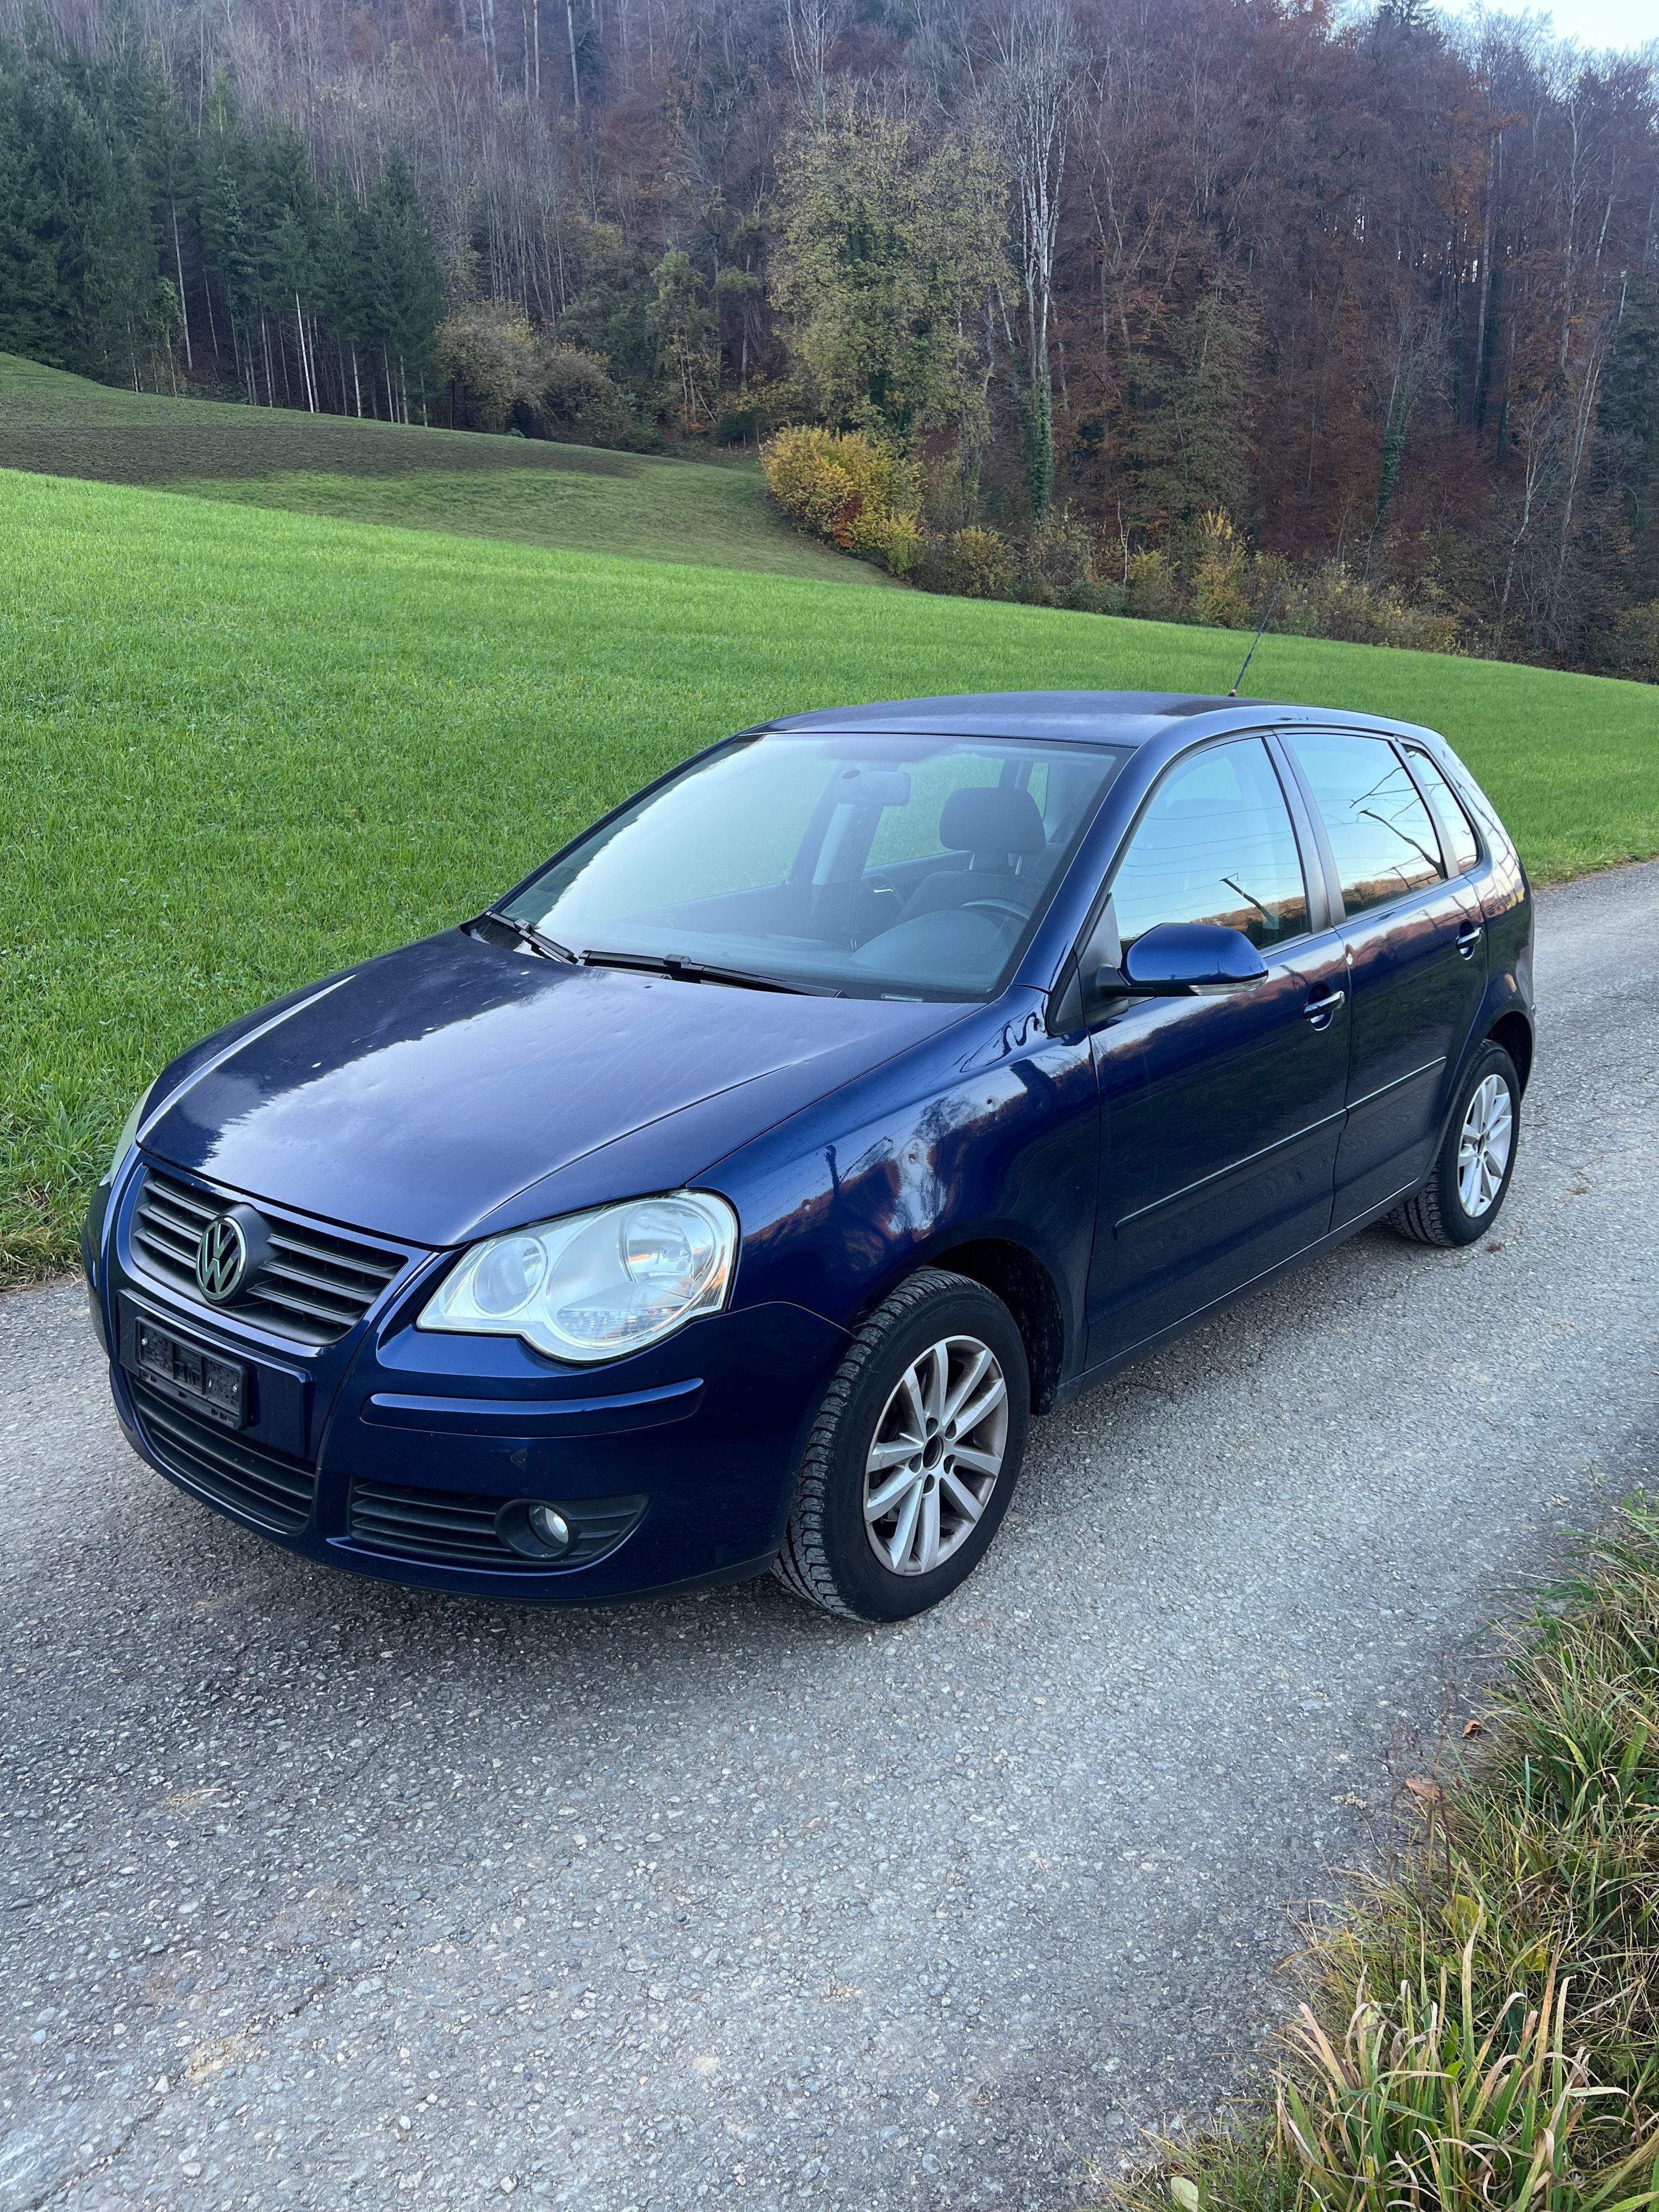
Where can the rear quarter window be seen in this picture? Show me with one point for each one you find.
(1457, 831)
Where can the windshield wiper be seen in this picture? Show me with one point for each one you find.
(527, 934)
(700, 971)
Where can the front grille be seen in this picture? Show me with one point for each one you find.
(267, 1485)
(458, 1527)
(314, 1286)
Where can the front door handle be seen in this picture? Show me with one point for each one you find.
(1322, 1011)
(1468, 938)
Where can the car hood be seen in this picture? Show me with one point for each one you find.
(419, 1096)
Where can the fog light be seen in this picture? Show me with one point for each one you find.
(537, 1530)
(547, 1522)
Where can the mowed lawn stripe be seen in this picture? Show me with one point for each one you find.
(712, 518)
(242, 748)
(716, 513)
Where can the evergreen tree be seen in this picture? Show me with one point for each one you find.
(168, 164)
(340, 289)
(226, 235)
(289, 259)
(1192, 405)
(1627, 434)
(35, 310)
(610, 317)
(76, 275)
(227, 165)
(405, 296)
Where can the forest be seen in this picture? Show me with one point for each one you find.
(1201, 309)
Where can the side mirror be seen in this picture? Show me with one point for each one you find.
(1192, 956)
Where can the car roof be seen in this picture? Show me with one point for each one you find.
(1116, 717)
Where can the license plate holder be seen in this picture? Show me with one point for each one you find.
(206, 1382)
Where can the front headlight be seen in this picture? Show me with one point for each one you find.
(597, 1284)
(128, 1131)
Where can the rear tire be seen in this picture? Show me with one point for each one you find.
(1466, 1190)
(913, 1455)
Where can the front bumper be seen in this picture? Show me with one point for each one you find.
(402, 1455)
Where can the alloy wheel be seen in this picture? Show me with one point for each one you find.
(1484, 1145)
(936, 1455)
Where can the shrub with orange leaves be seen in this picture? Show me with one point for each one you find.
(841, 486)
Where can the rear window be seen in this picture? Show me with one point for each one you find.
(1380, 832)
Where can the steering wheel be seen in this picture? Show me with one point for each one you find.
(995, 906)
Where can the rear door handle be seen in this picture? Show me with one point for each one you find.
(1319, 1011)
(1468, 938)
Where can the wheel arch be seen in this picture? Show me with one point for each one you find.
(1514, 1032)
(1014, 1274)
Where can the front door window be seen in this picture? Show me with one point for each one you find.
(1215, 845)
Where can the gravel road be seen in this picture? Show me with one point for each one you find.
(322, 1894)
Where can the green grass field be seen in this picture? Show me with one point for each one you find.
(526, 490)
(239, 749)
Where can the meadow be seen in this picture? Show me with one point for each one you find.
(241, 748)
(529, 491)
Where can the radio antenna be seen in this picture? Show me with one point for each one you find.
(1256, 640)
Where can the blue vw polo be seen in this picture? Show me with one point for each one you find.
(733, 1192)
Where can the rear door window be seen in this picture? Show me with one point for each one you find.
(1216, 844)
(1454, 823)
(1380, 830)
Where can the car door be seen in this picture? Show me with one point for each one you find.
(1416, 945)
(1220, 1114)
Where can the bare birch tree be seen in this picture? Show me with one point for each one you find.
(813, 27)
(1031, 97)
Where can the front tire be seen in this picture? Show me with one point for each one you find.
(1470, 1180)
(913, 1455)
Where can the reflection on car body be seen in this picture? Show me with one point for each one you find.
(735, 1190)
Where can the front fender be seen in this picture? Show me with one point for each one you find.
(1003, 1144)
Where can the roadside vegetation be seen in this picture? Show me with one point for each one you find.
(240, 749)
(529, 490)
(1480, 2027)
(863, 499)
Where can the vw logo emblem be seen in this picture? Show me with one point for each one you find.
(220, 1259)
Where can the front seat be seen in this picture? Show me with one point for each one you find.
(997, 827)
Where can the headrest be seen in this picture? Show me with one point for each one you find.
(988, 818)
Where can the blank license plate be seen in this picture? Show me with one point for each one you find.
(215, 1387)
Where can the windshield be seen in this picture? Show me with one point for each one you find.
(884, 866)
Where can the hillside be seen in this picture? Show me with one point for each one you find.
(238, 750)
(1253, 247)
(527, 491)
